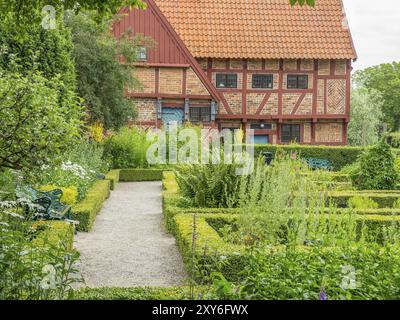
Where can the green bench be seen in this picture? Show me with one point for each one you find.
(315, 163)
(46, 205)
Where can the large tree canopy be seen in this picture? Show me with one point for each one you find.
(366, 116)
(384, 79)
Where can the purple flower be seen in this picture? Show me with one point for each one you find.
(323, 295)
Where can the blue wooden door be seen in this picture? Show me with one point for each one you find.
(172, 115)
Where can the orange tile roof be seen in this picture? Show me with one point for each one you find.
(256, 29)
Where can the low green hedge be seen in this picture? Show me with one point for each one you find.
(113, 176)
(139, 293)
(132, 175)
(210, 248)
(371, 211)
(86, 210)
(384, 200)
(339, 156)
(213, 253)
(54, 232)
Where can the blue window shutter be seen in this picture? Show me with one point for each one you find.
(159, 109)
(187, 109)
(213, 110)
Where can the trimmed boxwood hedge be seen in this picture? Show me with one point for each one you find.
(384, 200)
(339, 156)
(132, 175)
(210, 247)
(138, 293)
(113, 176)
(86, 210)
(54, 232)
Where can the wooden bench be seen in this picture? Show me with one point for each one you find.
(315, 163)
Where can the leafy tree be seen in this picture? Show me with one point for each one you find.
(35, 128)
(46, 51)
(102, 79)
(366, 117)
(23, 14)
(376, 169)
(385, 79)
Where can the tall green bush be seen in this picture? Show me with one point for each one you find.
(48, 52)
(127, 148)
(35, 128)
(376, 169)
(338, 156)
(102, 79)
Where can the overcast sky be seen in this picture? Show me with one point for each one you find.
(375, 27)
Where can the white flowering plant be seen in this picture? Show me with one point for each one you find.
(29, 270)
(80, 168)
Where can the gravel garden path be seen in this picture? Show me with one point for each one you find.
(128, 245)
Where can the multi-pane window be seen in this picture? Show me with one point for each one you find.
(263, 81)
(290, 133)
(200, 114)
(142, 54)
(226, 80)
(297, 81)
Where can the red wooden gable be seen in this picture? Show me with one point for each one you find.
(169, 48)
(147, 22)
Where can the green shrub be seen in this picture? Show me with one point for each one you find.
(210, 185)
(86, 211)
(113, 176)
(376, 169)
(393, 139)
(397, 204)
(397, 164)
(54, 232)
(172, 204)
(359, 202)
(127, 148)
(384, 200)
(131, 175)
(339, 156)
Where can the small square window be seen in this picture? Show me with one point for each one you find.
(263, 81)
(290, 133)
(226, 80)
(295, 81)
(200, 114)
(142, 54)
